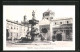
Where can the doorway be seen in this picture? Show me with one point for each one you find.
(7, 34)
(59, 37)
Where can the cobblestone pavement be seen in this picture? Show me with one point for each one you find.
(9, 43)
(39, 45)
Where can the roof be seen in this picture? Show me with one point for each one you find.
(48, 11)
(15, 22)
(57, 19)
(44, 22)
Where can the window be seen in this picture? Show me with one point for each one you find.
(11, 27)
(55, 23)
(67, 22)
(60, 22)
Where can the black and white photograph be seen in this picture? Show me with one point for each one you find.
(38, 27)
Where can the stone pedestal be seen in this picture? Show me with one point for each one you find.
(36, 38)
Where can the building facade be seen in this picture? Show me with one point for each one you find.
(62, 29)
(57, 29)
(15, 30)
(45, 25)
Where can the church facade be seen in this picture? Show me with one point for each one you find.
(58, 30)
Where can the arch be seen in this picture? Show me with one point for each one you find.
(59, 37)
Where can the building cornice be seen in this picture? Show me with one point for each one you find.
(62, 19)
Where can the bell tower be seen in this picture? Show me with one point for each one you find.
(48, 15)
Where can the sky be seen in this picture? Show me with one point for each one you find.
(17, 12)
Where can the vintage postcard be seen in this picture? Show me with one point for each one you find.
(38, 27)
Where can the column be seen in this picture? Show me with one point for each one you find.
(51, 30)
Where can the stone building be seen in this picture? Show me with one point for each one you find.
(15, 30)
(62, 29)
(56, 29)
(45, 25)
